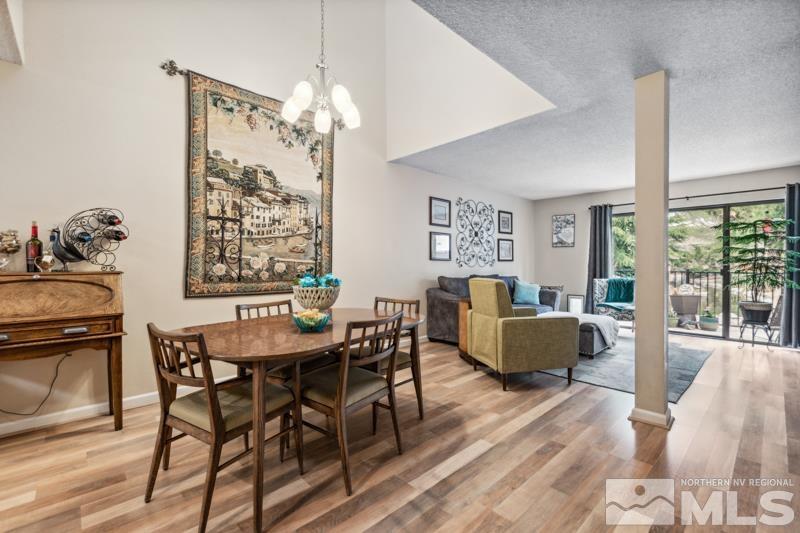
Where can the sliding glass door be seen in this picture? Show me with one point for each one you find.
(704, 294)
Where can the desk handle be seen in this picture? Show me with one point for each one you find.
(5, 337)
(75, 331)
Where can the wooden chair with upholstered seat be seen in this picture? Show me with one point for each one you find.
(214, 414)
(283, 373)
(248, 311)
(338, 390)
(404, 359)
(282, 307)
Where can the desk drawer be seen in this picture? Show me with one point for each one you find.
(75, 329)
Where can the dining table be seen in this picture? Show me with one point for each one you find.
(267, 342)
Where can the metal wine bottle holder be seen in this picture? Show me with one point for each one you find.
(92, 235)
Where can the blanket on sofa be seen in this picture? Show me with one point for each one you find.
(608, 327)
(620, 290)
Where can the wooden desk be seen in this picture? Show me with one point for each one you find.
(266, 342)
(42, 315)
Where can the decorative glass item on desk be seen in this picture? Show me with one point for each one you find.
(9, 245)
(47, 261)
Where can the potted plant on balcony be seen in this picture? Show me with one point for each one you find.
(756, 253)
(672, 318)
(709, 321)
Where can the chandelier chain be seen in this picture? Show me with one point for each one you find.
(322, 31)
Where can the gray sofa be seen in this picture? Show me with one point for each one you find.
(442, 315)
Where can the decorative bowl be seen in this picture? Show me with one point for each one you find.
(311, 321)
(316, 297)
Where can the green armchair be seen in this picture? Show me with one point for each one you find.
(512, 340)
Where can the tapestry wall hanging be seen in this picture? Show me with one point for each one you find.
(475, 240)
(260, 193)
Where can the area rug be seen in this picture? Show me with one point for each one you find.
(614, 368)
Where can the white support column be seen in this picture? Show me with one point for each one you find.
(652, 210)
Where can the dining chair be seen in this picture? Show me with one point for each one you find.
(339, 390)
(404, 359)
(259, 310)
(282, 307)
(280, 374)
(215, 414)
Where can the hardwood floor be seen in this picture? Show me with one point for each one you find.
(533, 458)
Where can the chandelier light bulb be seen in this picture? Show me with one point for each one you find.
(341, 98)
(318, 89)
(322, 120)
(291, 111)
(303, 94)
(351, 117)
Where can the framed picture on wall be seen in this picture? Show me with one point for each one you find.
(439, 212)
(563, 231)
(440, 246)
(505, 250)
(575, 303)
(505, 222)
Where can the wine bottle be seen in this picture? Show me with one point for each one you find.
(33, 248)
(115, 234)
(110, 219)
(82, 236)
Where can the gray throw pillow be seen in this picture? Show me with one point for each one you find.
(457, 286)
(509, 281)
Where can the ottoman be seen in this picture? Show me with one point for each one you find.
(590, 341)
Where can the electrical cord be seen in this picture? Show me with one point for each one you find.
(49, 392)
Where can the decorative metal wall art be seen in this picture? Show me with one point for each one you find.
(92, 235)
(260, 192)
(475, 242)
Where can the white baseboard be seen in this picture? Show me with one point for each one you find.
(97, 409)
(662, 420)
(75, 413)
(405, 341)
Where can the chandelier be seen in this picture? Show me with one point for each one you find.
(322, 91)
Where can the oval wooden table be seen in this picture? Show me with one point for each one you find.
(264, 343)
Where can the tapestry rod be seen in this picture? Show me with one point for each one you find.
(171, 68)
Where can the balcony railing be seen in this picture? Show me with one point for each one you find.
(709, 285)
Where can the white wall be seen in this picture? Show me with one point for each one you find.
(440, 88)
(567, 266)
(91, 120)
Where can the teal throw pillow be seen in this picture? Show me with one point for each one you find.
(526, 293)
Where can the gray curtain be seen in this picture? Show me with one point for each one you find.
(790, 318)
(601, 249)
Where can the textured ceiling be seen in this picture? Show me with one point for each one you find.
(734, 70)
